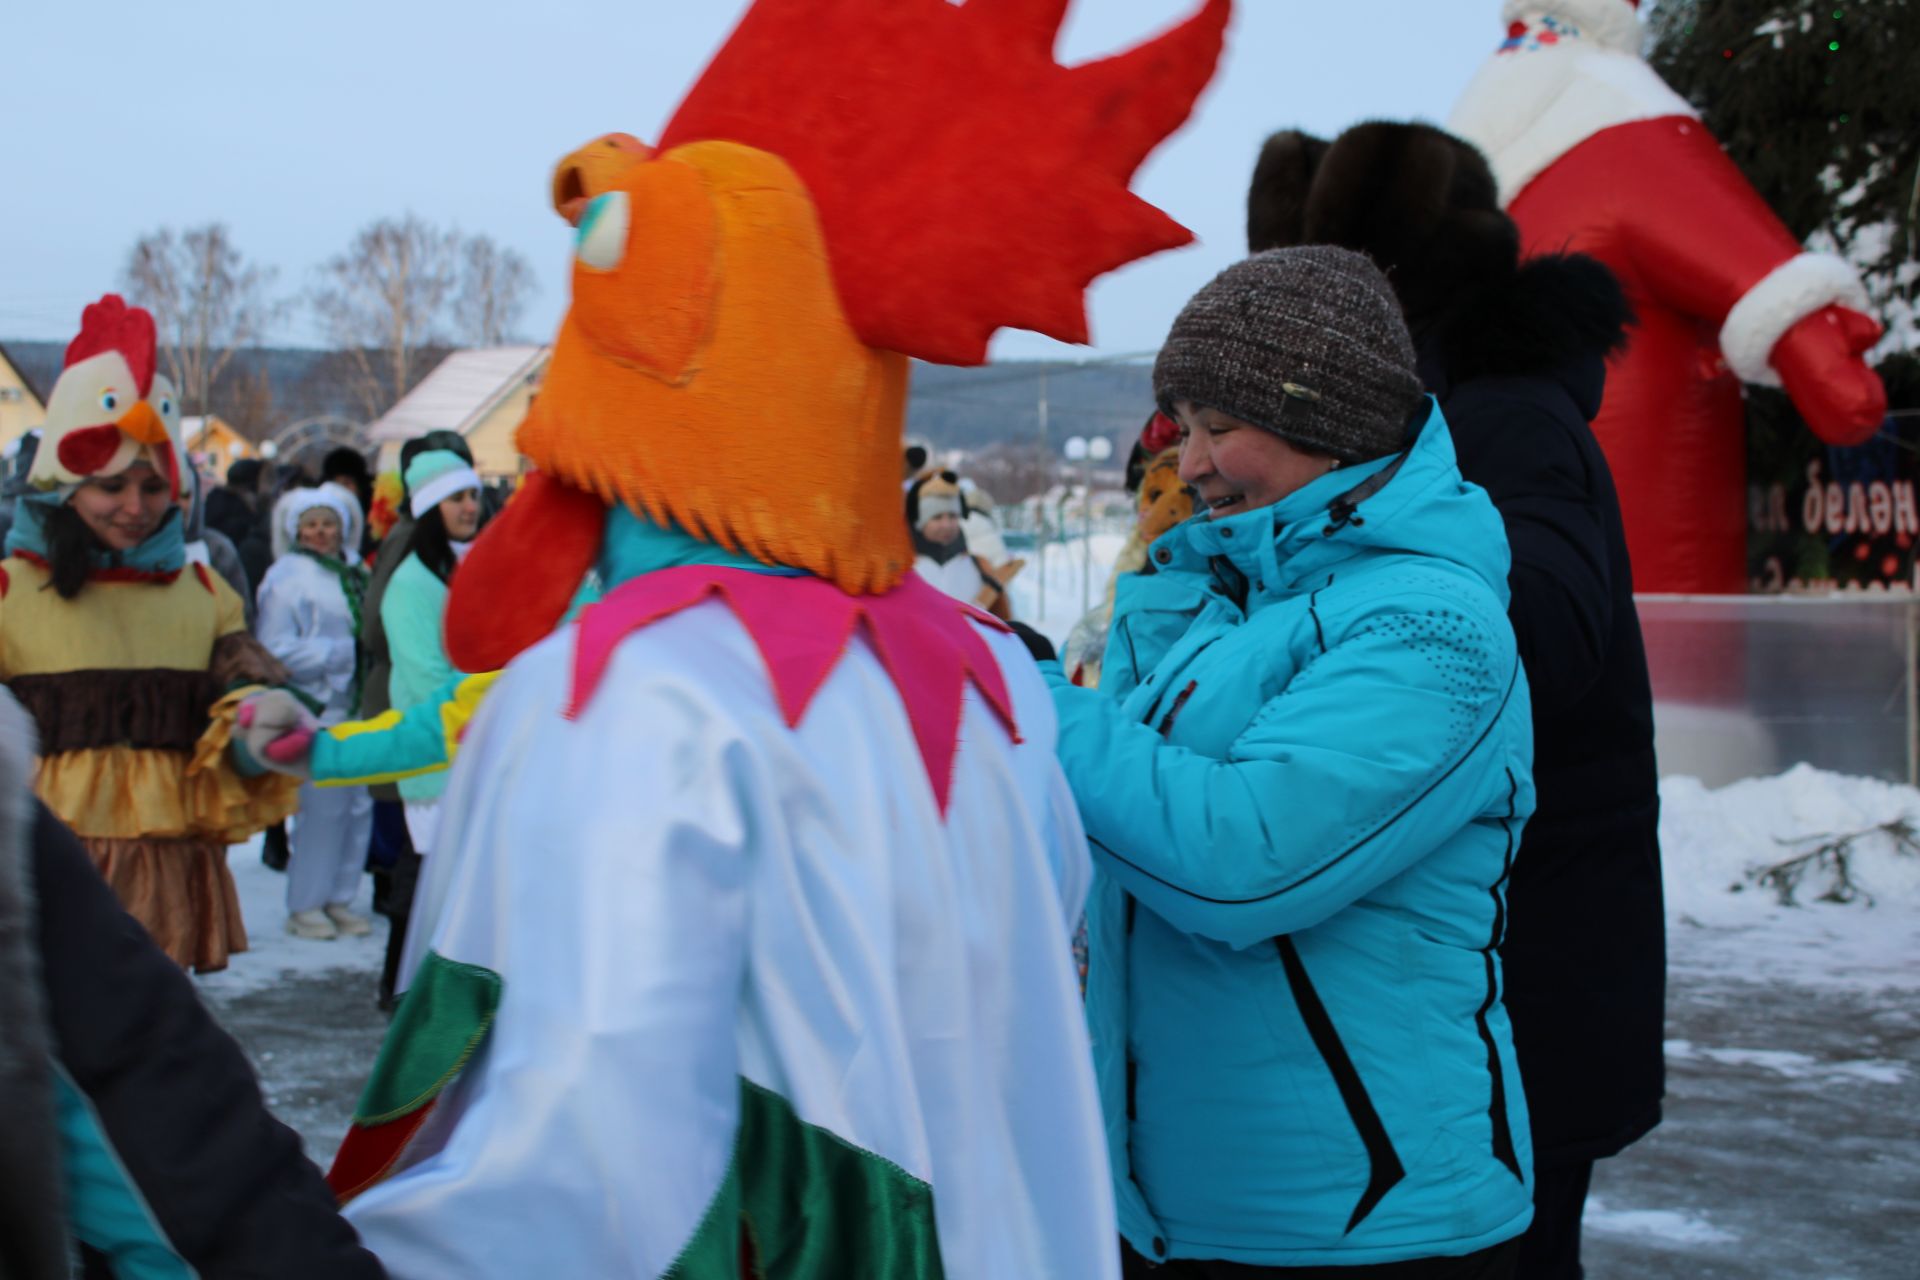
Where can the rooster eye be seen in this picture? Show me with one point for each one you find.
(110, 402)
(166, 407)
(602, 239)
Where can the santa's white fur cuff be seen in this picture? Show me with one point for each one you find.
(1789, 294)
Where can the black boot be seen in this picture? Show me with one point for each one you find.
(273, 849)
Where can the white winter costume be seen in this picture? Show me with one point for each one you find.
(306, 622)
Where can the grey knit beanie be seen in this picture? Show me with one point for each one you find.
(1307, 343)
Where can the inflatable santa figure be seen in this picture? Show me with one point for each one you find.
(1596, 154)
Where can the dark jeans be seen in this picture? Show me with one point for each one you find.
(1551, 1248)
(1496, 1263)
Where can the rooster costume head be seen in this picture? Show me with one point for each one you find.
(109, 408)
(851, 185)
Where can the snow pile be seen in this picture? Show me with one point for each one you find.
(1671, 1226)
(273, 952)
(1789, 1065)
(1722, 918)
(1068, 581)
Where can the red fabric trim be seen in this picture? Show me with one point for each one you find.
(1161, 434)
(6, 584)
(367, 1155)
(106, 575)
(803, 626)
(133, 575)
(85, 450)
(200, 572)
(111, 325)
(534, 554)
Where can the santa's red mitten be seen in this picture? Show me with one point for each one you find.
(1820, 365)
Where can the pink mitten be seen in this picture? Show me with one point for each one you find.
(277, 730)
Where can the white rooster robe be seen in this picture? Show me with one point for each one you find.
(748, 953)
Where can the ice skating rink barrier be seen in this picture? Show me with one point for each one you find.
(1746, 686)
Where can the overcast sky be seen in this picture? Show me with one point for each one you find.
(297, 124)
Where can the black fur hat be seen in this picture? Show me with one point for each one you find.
(1420, 202)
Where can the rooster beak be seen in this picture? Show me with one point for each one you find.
(592, 170)
(143, 424)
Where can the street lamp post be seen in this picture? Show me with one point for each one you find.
(1040, 413)
(1087, 452)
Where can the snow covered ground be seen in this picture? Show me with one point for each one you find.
(275, 956)
(304, 1010)
(1791, 1145)
(1069, 577)
(1721, 922)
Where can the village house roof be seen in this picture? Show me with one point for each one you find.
(460, 392)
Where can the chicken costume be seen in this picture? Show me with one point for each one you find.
(135, 681)
(745, 949)
(1595, 154)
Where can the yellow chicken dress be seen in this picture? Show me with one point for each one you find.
(133, 682)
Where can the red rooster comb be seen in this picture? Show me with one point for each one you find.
(111, 325)
(965, 181)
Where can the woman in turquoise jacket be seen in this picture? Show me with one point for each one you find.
(1303, 778)
(443, 492)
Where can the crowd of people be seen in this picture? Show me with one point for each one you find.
(739, 939)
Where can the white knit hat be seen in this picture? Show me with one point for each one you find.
(435, 476)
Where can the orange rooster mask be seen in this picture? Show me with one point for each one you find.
(852, 184)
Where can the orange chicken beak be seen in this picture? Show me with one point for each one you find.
(143, 424)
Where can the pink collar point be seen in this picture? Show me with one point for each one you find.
(926, 641)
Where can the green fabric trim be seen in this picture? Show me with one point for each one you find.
(441, 1022)
(105, 1208)
(812, 1204)
(714, 1251)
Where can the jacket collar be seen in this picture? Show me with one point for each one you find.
(634, 545)
(1413, 502)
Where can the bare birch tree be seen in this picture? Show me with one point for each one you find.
(383, 304)
(207, 301)
(495, 285)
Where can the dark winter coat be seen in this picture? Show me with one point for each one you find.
(1519, 375)
(228, 512)
(222, 555)
(1516, 356)
(124, 1105)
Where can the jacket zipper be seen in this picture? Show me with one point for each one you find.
(1166, 724)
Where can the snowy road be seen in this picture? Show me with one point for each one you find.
(1791, 1145)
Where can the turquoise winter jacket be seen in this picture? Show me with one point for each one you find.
(413, 612)
(1303, 778)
